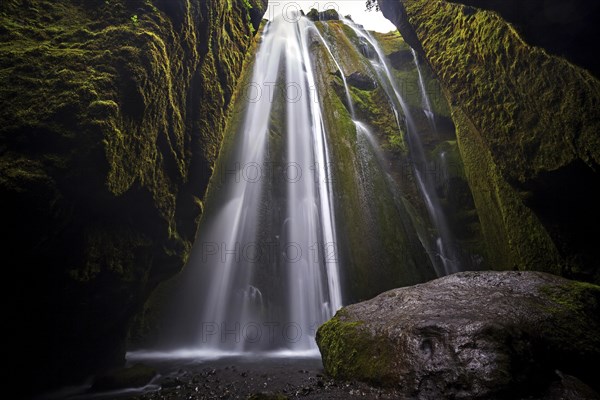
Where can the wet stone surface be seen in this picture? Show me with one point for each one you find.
(258, 379)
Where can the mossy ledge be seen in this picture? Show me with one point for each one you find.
(528, 130)
(112, 116)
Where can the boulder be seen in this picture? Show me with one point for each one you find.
(471, 335)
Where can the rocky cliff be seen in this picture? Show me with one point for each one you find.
(564, 28)
(112, 116)
(527, 128)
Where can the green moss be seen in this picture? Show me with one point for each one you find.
(522, 116)
(576, 310)
(381, 233)
(390, 42)
(350, 352)
(374, 107)
(576, 297)
(113, 113)
(515, 238)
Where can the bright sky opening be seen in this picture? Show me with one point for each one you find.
(371, 20)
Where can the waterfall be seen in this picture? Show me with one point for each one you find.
(342, 75)
(442, 251)
(310, 211)
(267, 260)
(427, 109)
(264, 274)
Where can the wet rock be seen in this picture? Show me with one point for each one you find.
(267, 396)
(361, 81)
(169, 383)
(327, 15)
(469, 335)
(564, 28)
(402, 60)
(98, 236)
(569, 388)
(540, 160)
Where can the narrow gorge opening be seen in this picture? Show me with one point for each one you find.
(328, 190)
(271, 200)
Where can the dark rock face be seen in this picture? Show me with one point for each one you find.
(361, 81)
(565, 28)
(112, 115)
(327, 15)
(527, 127)
(472, 335)
(402, 60)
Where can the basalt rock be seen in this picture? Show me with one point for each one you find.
(472, 335)
(402, 60)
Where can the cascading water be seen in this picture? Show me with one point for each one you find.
(310, 210)
(339, 68)
(263, 274)
(442, 251)
(267, 258)
(427, 109)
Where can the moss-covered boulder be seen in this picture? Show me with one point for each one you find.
(111, 119)
(528, 131)
(472, 335)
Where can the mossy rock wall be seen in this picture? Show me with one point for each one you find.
(112, 116)
(379, 245)
(565, 28)
(527, 128)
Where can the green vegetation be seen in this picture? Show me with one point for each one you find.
(525, 120)
(113, 114)
(382, 233)
(348, 352)
(514, 236)
(576, 310)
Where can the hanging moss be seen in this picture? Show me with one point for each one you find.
(113, 114)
